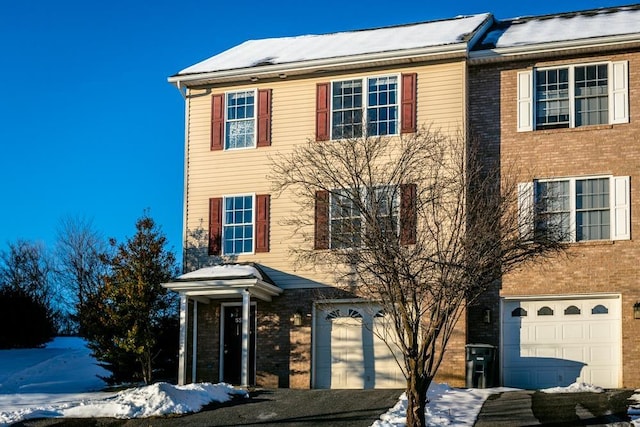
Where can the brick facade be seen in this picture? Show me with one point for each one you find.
(284, 351)
(597, 267)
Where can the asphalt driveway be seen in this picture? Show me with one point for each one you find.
(532, 408)
(265, 408)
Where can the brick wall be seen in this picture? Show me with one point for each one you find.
(284, 351)
(588, 267)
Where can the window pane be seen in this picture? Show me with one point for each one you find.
(240, 121)
(347, 109)
(592, 209)
(238, 225)
(382, 108)
(553, 212)
(591, 92)
(552, 98)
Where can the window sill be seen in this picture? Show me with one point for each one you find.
(591, 243)
(576, 129)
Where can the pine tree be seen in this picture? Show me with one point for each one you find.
(132, 310)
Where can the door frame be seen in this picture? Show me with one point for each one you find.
(252, 306)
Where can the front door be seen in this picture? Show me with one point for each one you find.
(232, 344)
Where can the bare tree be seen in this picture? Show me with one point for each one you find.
(81, 267)
(27, 266)
(196, 251)
(420, 225)
(29, 315)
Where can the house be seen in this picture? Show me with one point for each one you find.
(553, 99)
(259, 318)
(566, 90)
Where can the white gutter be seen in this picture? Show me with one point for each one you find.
(302, 67)
(509, 53)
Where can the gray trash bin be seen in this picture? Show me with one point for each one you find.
(480, 365)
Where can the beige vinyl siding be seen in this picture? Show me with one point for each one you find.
(440, 105)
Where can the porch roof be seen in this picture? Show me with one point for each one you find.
(225, 281)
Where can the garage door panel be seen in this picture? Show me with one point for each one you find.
(349, 354)
(556, 342)
(573, 332)
(601, 331)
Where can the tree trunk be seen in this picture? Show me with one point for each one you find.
(416, 401)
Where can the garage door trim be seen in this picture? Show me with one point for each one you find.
(558, 298)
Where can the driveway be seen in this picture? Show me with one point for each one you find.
(264, 408)
(532, 408)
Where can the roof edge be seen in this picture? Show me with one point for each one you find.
(320, 65)
(509, 53)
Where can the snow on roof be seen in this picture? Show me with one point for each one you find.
(314, 47)
(223, 271)
(563, 27)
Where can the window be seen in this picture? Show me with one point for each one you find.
(571, 310)
(347, 222)
(240, 120)
(555, 92)
(581, 209)
(375, 106)
(237, 228)
(519, 312)
(239, 224)
(362, 106)
(340, 224)
(599, 309)
(573, 96)
(545, 311)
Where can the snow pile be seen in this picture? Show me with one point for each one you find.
(447, 407)
(634, 408)
(574, 388)
(153, 400)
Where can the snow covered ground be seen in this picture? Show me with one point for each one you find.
(61, 380)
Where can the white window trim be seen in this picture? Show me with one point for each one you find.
(226, 119)
(398, 202)
(617, 87)
(253, 223)
(365, 103)
(619, 205)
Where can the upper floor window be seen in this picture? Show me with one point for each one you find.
(240, 120)
(347, 222)
(372, 106)
(239, 224)
(389, 213)
(580, 209)
(573, 96)
(364, 106)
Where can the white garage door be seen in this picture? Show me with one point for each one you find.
(555, 342)
(348, 350)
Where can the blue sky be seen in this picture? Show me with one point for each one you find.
(89, 126)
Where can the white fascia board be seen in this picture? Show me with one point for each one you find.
(305, 67)
(550, 297)
(508, 53)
